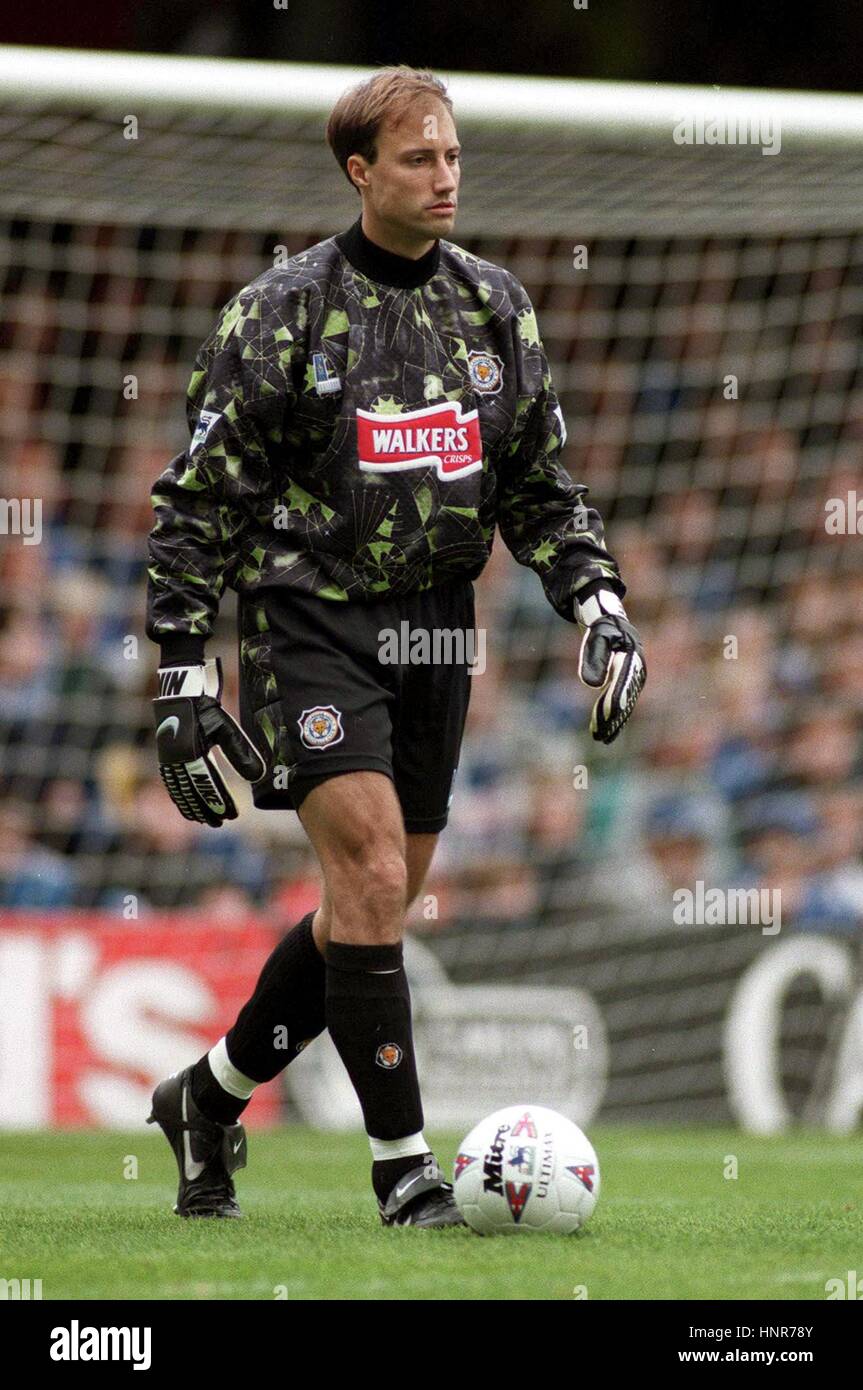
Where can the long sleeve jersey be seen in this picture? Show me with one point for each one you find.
(360, 423)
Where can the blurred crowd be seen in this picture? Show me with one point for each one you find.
(742, 767)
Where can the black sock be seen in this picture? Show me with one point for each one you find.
(285, 1012)
(213, 1101)
(368, 1009)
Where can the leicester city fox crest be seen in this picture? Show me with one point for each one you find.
(321, 727)
(486, 372)
(388, 1056)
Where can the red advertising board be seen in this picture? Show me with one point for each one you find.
(95, 1011)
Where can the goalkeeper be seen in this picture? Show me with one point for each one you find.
(361, 419)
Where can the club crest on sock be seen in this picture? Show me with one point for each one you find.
(388, 1056)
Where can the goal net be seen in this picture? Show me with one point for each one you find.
(695, 258)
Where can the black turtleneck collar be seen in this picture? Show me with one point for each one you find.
(385, 266)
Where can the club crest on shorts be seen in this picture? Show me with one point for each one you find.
(388, 1056)
(486, 372)
(320, 727)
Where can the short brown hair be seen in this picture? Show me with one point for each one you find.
(357, 116)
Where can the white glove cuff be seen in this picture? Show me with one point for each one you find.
(199, 679)
(604, 603)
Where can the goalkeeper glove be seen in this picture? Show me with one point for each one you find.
(189, 722)
(611, 660)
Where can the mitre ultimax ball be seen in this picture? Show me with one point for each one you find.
(526, 1168)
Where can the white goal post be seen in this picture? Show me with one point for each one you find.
(547, 156)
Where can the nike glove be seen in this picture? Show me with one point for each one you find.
(189, 722)
(611, 660)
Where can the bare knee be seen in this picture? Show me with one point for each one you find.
(356, 828)
(367, 892)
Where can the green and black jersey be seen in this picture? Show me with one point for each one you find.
(359, 424)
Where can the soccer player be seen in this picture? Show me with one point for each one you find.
(361, 419)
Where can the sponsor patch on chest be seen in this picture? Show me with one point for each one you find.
(439, 436)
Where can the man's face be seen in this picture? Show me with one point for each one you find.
(411, 190)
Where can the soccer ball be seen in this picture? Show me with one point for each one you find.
(526, 1168)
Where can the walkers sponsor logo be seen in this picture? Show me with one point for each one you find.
(438, 436)
(436, 646)
(320, 727)
(77, 1343)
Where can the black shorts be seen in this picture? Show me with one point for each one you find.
(325, 688)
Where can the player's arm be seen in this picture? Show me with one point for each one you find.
(548, 526)
(204, 502)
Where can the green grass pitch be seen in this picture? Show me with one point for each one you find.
(669, 1223)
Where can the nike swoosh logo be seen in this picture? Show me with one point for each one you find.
(400, 1191)
(172, 724)
(236, 1147)
(191, 1169)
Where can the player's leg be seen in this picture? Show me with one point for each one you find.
(286, 1009)
(315, 700)
(283, 1015)
(355, 825)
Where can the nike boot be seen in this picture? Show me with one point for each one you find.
(421, 1198)
(207, 1153)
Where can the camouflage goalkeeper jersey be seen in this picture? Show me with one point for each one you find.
(360, 423)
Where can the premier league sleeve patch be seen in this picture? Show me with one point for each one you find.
(321, 727)
(206, 421)
(486, 372)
